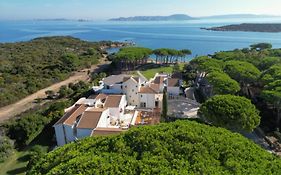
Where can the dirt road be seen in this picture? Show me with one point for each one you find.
(28, 102)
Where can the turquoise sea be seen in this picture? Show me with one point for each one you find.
(177, 34)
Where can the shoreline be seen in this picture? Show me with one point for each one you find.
(248, 27)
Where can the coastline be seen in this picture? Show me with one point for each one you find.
(248, 27)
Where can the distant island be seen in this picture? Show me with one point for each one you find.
(249, 27)
(63, 19)
(176, 17)
(183, 17)
(229, 16)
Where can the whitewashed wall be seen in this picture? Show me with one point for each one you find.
(59, 135)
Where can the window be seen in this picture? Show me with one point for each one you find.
(143, 105)
(156, 104)
(121, 87)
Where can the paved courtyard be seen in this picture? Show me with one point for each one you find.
(183, 108)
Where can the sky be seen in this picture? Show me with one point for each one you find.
(104, 9)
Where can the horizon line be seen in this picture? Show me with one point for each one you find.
(105, 19)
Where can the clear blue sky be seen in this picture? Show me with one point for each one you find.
(103, 9)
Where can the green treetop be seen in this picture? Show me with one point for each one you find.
(261, 46)
(241, 71)
(206, 64)
(222, 83)
(133, 53)
(267, 62)
(181, 147)
(272, 74)
(232, 112)
(272, 95)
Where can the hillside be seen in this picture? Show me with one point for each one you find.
(249, 27)
(177, 17)
(182, 147)
(26, 67)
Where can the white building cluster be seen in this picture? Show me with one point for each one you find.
(119, 103)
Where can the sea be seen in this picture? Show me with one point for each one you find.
(168, 34)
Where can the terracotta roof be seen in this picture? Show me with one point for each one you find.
(155, 87)
(114, 79)
(147, 90)
(70, 117)
(99, 97)
(89, 120)
(106, 131)
(159, 80)
(173, 82)
(113, 101)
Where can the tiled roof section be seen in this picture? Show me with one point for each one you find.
(106, 131)
(155, 87)
(113, 101)
(89, 120)
(159, 80)
(173, 82)
(70, 117)
(114, 79)
(147, 90)
(101, 97)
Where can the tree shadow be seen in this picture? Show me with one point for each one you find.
(24, 158)
(17, 171)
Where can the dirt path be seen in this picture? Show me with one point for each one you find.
(28, 102)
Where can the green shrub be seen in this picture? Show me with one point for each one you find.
(181, 147)
(28, 126)
(6, 148)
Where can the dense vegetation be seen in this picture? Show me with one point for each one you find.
(129, 58)
(6, 148)
(233, 112)
(257, 69)
(249, 27)
(24, 129)
(166, 55)
(175, 148)
(222, 83)
(26, 67)
(32, 131)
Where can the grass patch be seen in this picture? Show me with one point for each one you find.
(15, 164)
(182, 65)
(150, 70)
(150, 73)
